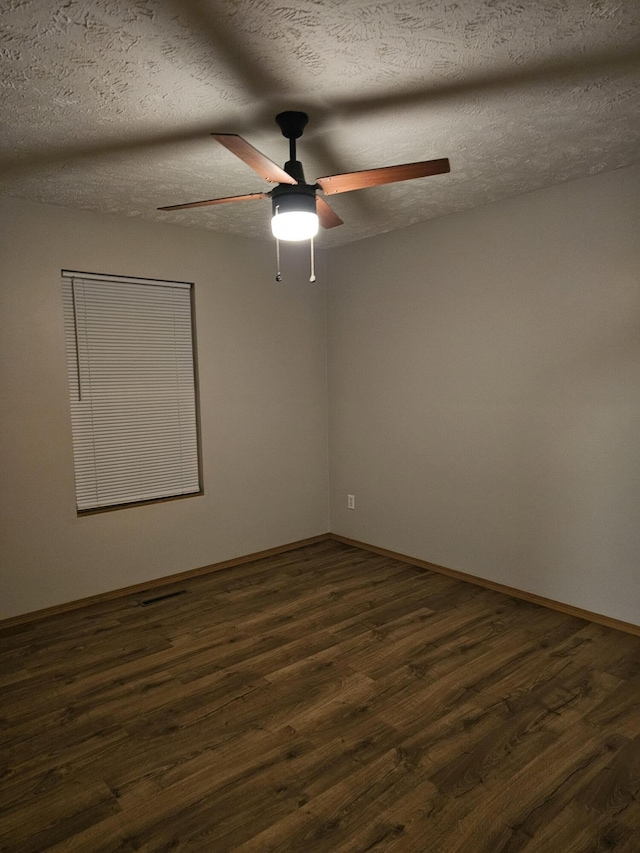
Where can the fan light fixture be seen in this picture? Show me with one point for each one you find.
(294, 215)
(295, 225)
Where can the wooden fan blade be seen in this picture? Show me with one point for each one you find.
(386, 175)
(228, 198)
(261, 164)
(327, 216)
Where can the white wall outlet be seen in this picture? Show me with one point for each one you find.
(351, 502)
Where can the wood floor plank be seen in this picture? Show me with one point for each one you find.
(619, 710)
(343, 812)
(533, 786)
(324, 699)
(69, 807)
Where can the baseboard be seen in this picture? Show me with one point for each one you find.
(180, 577)
(568, 609)
(513, 592)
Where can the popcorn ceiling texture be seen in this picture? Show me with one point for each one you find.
(107, 105)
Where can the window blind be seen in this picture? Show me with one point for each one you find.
(132, 388)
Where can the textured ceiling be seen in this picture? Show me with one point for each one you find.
(107, 105)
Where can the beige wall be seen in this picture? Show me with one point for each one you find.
(484, 398)
(262, 366)
(484, 392)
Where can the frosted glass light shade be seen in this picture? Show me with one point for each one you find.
(295, 225)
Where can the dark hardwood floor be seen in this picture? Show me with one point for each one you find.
(327, 699)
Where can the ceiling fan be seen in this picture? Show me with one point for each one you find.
(297, 208)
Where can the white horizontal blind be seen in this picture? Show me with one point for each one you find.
(132, 388)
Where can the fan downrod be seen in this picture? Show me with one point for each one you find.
(292, 124)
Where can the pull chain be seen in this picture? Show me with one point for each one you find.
(312, 277)
(278, 274)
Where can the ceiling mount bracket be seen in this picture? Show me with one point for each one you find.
(292, 123)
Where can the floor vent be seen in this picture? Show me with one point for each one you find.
(147, 601)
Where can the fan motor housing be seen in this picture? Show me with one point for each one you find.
(288, 197)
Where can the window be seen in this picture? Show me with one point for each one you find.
(130, 358)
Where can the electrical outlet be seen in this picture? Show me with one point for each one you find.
(351, 502)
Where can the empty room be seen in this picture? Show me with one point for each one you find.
(320, 418)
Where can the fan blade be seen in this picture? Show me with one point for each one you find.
(248, 197)
(386, 175)
(327, 216)
(266, 168)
